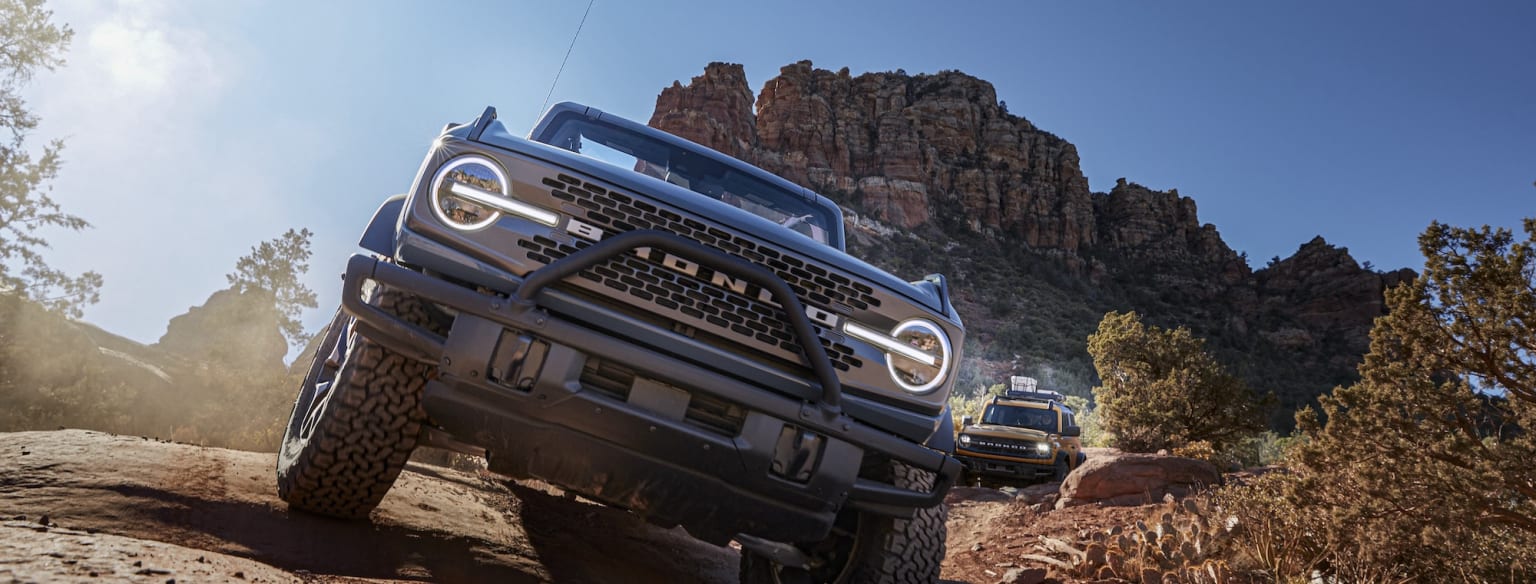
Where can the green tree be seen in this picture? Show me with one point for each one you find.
(30, 41)
(1160, 389)
(274, 267)
(962, 405)
(1088, 419)
(1427, 462)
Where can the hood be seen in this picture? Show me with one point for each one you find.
(718, 211)
(1005, 432)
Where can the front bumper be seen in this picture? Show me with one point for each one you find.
(516, 380)
(980, 463)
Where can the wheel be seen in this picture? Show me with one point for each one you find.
(1061, 470)
(866, 548)
(357, 417)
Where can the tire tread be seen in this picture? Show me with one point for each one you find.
(370, 428)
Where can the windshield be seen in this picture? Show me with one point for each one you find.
(1035, 419)
(691, 170)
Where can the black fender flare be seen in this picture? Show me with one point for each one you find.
(943, 438)
(379, 237)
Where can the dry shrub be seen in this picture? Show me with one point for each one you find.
(1423, 470)
(233, 409)
(1180, 543)
(58, 374)
(1202, 450)
(1272, 535)
(1302, 527)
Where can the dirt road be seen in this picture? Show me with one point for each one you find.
(139, 510)
(80, 506)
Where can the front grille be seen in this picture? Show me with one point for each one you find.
(651, 283)
(618, 213)
(1006, 447)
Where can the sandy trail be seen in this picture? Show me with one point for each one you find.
(203, 514)
(75, 503)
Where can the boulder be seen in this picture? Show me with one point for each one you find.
(1134, 479)
(1041, 493)
(959, 495)
(1023, 576)
(238, 330)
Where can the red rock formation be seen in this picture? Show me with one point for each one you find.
(896, 146)
(938, 154)
(1324, 289)
(714, 109)
(1163, 227)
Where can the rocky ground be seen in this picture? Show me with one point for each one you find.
(80, 506)
(990, 533)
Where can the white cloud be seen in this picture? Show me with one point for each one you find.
(131, 50)
(138, 60)
(173, 198)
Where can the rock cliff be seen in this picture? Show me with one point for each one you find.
(233, 329)
(902, 149)
(1322, 287)
(937, 175)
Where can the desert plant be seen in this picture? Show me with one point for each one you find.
(275, 267)
(1262, 449)
(961, 405)
(1088, 419)
(30, 41)
(1273, 536)
(1422, 470)
(1202, 450)
(1180, 542)
(1160, 389)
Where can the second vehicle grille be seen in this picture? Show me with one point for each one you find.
(1004, 446)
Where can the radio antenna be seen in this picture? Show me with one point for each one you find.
(552, 84)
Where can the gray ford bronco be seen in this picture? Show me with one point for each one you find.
(650, 324)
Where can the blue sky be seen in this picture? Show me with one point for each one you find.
(195, 130)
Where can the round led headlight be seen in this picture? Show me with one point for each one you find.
(965, 438)
(919, 375)
(457, 186)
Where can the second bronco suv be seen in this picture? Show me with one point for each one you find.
(648, 323)
(1022, 435)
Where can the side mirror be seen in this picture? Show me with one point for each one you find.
(966, 421)
(1072, 431)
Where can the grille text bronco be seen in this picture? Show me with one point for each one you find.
(740, 286)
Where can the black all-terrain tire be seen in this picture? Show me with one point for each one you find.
(1062, 470)
(886, 550)
(345, 446)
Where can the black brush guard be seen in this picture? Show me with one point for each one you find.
(521, 312)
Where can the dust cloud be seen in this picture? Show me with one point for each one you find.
(216, 378)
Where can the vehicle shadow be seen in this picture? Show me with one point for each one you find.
(297, 541)
(579, 541)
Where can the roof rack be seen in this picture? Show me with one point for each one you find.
(1039, 395)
